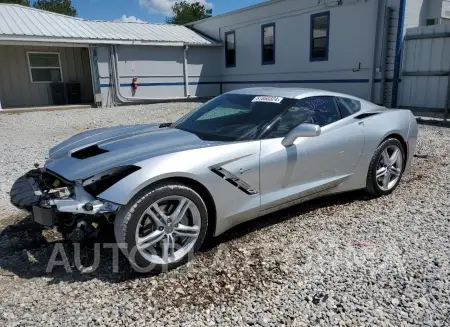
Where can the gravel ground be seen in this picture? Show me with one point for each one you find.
(345, 260)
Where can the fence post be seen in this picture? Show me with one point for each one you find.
(447, 101)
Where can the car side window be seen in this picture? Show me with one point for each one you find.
(320, 110)
(348, 106)
(325, 109)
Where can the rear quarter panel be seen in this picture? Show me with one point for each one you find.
(376, 129)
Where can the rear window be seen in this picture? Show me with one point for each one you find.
(348, 106)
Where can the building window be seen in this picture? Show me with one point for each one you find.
(45, 67)
(320, 35)
(268, 44)
(431, 21)
(230, 49)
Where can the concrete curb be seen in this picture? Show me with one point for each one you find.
(48, 108)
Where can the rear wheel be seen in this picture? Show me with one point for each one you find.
(386, 168)
(162, 227)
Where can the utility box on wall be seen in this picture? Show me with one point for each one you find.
(58, 94)
(66, 93)
(73, 93)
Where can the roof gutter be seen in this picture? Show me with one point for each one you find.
(47, 44)
(74, 42)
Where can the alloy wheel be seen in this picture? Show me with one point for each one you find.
(168, 230)
(389, 167)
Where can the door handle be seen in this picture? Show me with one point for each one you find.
(242, 170)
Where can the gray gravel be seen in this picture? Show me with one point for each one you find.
(345, 260)
(26, 138)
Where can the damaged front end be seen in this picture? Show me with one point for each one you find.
(72, 207)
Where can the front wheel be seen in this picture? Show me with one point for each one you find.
(386, 168)
(162, 227)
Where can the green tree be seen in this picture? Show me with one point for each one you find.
(17, 2)
(184, 12)
(59, 6)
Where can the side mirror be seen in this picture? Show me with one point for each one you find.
(303, 130)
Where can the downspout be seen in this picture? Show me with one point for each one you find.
(384, 56)
(375, 49)
(95, 76)
(186, 74)
(398, 52)
(116, 80)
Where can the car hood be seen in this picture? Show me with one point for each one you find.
(117, 146)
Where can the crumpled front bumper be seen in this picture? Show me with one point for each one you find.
(45, 204)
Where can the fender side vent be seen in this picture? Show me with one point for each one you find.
(89, 152)
(367, 115)
(233, 180)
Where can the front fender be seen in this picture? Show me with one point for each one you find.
(124, 190)
(232, 204)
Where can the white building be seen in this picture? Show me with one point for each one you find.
(51, 59)
(359, 43)
(352, 46)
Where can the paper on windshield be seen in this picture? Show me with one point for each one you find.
(267, 98)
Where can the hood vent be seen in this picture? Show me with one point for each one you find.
(89, 152)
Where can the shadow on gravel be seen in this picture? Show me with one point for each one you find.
(286, 214)
(25, 249)
(433, 122)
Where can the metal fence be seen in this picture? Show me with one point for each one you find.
(425, 81)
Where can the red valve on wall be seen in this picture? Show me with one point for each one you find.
(134, 83)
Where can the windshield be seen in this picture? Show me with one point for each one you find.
(234, 117)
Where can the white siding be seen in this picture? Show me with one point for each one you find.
(434, 9)
(159, 71)
(352, 32)
(418, 11)
(426, 55)
(16, 89)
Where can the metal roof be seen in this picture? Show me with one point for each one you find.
(237, 11)
(20, 23)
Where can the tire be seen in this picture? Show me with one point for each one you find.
(377, 186)
(22, 193)
(132, 222)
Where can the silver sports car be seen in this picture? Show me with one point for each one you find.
(166, 187)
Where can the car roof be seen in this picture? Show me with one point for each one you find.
(285, 92)
(294, 93)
